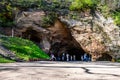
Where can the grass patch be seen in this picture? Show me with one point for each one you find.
(23, 48)
(118, 60)
(4, 60)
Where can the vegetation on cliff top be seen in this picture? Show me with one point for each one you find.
(116, 16)
(82, 4)
(110, 8)
(8, 8)
(23, 49)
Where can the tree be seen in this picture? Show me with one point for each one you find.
(6, 16)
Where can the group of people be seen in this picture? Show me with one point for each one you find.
(64, 57)
(85, 57)
(67, 57)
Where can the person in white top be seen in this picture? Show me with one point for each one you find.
(53, 58)
(71, 58)
(74, 57)
(63, 56)
(67, 56)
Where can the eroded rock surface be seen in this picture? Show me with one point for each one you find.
(56, 39)
(96, 35)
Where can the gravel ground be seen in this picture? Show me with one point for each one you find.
(50, 70)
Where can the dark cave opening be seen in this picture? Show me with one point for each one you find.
(105, 57)
(72, 54)
(72, 51)
(32, 35)
(76, 52)
(35, 39)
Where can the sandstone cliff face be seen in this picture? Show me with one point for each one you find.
(96, 35)
(56, 39)
(28, 25)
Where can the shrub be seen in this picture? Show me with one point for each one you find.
(116, 16)
(6, 15)
(82, 4)
(49, 19)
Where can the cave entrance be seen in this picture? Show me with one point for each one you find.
(35, 39)
(31, 35)
(73, 54)
(105, 57)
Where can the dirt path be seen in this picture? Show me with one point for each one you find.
(45, 70)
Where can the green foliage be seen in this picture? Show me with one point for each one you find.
(110, 9)
(105, 10)
(49, 19)
(4, 60)
(24, 49)
(25, 4)
(118, 60)
(9, 7)
(116, 16)
(82, 4)
(6, 15)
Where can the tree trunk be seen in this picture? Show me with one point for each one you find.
(12, 32)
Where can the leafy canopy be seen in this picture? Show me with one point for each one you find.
(82, 4)
(6, 15)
